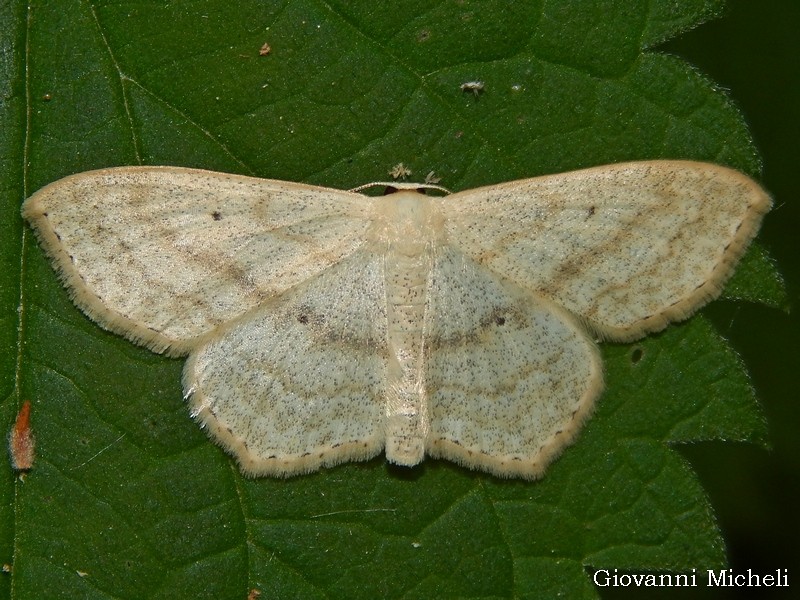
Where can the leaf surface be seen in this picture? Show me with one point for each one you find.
(128, 497)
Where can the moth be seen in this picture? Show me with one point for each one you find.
(323, 326)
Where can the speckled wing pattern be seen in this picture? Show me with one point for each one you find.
(299, 383)
(626, 247)
(323, 326)
(164, 255)
(510, 376)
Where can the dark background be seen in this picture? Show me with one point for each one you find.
(753, 51)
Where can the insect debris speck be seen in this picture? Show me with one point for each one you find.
(21, 443)
(476, 87)
(400, 171)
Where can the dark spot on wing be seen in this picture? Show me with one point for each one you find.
(216, 215)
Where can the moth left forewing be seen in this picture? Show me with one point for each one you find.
(163, 255)
(626, 247)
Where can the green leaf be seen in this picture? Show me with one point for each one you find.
(129, 498)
